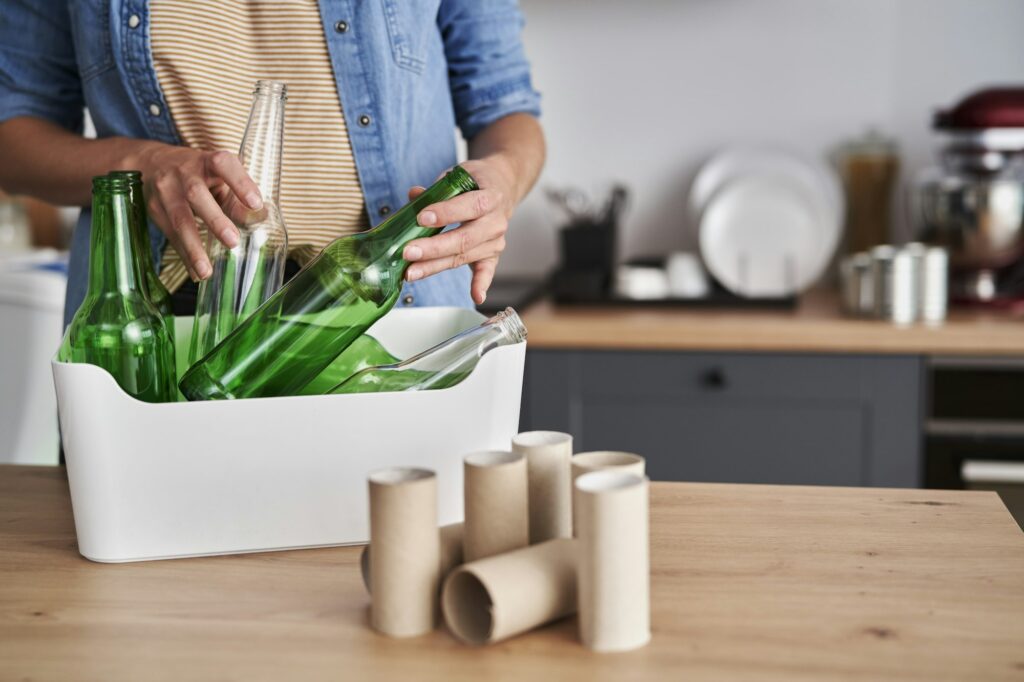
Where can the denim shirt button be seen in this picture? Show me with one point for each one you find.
(341, 26)
(134, 21)
(384, 210)
(364, 120)
(154, 109)
(407, 299)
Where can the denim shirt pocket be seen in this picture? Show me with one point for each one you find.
(408, 32)
(90, 30)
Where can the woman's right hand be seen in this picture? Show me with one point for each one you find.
(183, 184)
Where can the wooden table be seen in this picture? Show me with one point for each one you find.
(816, 326)
(764, 582)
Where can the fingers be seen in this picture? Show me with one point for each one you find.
(226, 166)
(462, 208)
(426, 268)
(159, 217)
(209, 211)
(460, 241)
(179, 224)
(416, 191)
(483, 275)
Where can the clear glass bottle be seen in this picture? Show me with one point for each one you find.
(330, 303)
(442, 366)
(155, 289)
(247, 275)
(117, 327)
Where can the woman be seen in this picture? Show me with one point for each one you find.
(376, 89)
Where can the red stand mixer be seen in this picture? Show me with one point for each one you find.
(973, 204)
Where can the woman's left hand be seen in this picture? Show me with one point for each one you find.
(479, 240)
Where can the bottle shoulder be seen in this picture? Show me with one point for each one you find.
(117, 310)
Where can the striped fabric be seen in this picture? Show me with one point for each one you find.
(208, 55)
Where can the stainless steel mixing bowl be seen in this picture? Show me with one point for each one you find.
(979, 220)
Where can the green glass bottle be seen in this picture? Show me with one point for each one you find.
(364, 352)
(292, 337)
(117, 327)
(156, 290)
(444, 365)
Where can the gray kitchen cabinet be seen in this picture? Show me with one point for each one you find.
(738, 417)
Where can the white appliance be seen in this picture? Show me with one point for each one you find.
(31, 324)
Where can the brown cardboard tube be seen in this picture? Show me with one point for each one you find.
(597, 460)
(451, 554)
(497, 519)
(548, 479)
(614, 569)
(492, 599)
(406, 547)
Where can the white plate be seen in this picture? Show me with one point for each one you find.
(746, 258)
(759, 237)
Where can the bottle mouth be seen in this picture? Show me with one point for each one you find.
(511, 324)
(108, 183)
(464, 180)
(271, 89)
(129, 175)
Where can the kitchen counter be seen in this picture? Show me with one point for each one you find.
(816, 325)
(766, 582)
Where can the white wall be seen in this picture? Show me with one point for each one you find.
(643, 91)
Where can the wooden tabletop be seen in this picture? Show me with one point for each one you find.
(816, 325)
(748, 582)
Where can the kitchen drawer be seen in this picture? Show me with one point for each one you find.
(669, 374)
(743, 417)
(759, 441)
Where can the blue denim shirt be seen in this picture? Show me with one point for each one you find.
(407, 72)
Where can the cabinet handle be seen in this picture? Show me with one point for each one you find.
(714, 378)
(983, 471)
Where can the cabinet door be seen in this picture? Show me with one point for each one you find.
(756, 418)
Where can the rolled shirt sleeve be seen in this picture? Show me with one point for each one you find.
(38, 71)
(487, 66)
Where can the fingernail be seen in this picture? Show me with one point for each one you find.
(203, 270)
(413, 253)
(253, 201)
(232, 239)
(427, 218)
(414, 273)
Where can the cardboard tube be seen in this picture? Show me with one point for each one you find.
(406, 549)
(548, 481)
(492, 599)
(451, 554)
(597, 460)
(497, 519)
(614, 566)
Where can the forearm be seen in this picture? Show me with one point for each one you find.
(41, 159)
(516, 141)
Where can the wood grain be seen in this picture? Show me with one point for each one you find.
(748, 582)
(815, 326)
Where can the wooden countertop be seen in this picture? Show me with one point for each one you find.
(815, 326)
(765, 582)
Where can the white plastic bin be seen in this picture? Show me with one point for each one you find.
(156, 481)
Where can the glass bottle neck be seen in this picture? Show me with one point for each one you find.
(402, 228)
(503, 329)
(263, 140)
(112, 263)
